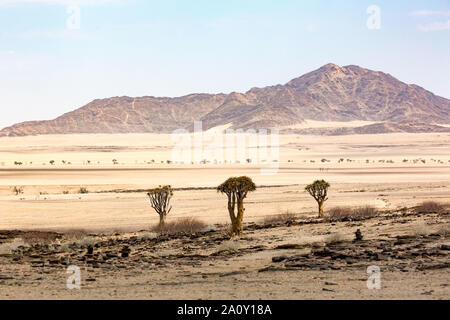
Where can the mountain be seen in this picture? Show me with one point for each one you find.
(330, 93)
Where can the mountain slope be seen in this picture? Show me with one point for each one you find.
(331, 93)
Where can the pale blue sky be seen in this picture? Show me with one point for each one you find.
(177, 47)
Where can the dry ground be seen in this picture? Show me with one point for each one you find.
(389, 172)
(307, 259)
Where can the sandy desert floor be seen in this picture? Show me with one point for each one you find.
(390, 172)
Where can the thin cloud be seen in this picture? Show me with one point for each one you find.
(435, 26)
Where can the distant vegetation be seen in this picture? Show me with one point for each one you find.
(349, 214)
(430, 207)
(83, 190)
(18, 190)
(180, 226)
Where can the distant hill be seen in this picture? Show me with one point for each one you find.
(331, 93)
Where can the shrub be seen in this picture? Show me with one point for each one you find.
(9, 247)
(346, 213)
(280, 218)
(365, 212)
(83, 190)
(18, 190)
(75, 234)
(430, 207)
(182, 225)
(334, 238)
(39, 237)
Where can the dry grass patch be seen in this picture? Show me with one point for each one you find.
(9, 247)
(182, 225)
(282, 218)
(351, 214)
(430, 207)
(75, 234)
(334, 238)
(39, 237)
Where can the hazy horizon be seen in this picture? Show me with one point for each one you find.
(57, 57)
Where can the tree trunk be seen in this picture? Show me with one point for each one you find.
(238, 221)
(162, 219)
(321, 208)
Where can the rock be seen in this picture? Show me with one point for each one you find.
(328, 289)
(125, 252)
(279, 259)
(358, 235)
(380, 257)
(331, 283)
(289, 246)
(325, 252)
(434, 266)
(445, 247)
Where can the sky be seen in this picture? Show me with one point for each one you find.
(58, 55)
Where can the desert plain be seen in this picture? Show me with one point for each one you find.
(95, 186)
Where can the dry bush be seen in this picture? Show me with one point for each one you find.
(88, 241)
(280, 218)
(148, 236)
(430, 207)
(39, 237)
(421, 230)
(365, 212)
(334, 238)
(444, 230)
(338, 213)
(9, 247)
(183, 225)
(83, 190)
(75, 234)
(346, 213)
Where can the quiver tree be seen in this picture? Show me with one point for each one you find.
(236, 190)
(319, 191)
(160, 201)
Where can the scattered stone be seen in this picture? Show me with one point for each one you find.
(331, 283)
(358, 235)
(380, 257)
(125, 252)
(279, 259)
(289, 246)
(328, 290)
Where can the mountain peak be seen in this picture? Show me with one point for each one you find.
(330, 93)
